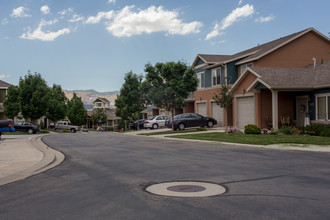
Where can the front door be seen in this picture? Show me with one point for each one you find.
(301, 110)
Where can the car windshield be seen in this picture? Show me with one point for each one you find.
(152, 118)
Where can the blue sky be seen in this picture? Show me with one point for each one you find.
(91, 44)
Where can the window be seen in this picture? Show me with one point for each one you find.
(201, 79)
(245, 66)
(218, 77)
(323, 107)
(98, 105)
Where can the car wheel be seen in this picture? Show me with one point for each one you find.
(30, 131)
(155, 126)
(210, 124)
(72, 130)
(181, 126)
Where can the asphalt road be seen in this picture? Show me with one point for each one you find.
(104, 176)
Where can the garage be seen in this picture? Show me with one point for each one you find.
(201, 108)
(217, 113)
(245, 111)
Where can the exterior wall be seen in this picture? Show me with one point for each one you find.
(298, 53)
(199, 62)
(286, 106)
(205, 95)
(249, 79)
(232, 74)
(189, 108)
(265, 109)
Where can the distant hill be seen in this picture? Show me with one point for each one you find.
(88, 96)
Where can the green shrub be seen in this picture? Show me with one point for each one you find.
(325, 132)
(288, 130)
(66, 131)
(252, 129)
(313, 129)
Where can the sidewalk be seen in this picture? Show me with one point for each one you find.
(22, 156)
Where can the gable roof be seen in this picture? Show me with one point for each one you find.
(259, 51)
(3, 84)
(210, 58)
(307, 78)
(102, 100)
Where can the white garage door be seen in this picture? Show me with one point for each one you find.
(217, 113)
(245, 111)
(201, 108)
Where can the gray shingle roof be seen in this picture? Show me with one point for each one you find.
(294, 78)
(102, 99)
(209, 58)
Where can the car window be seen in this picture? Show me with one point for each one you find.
(18, 123)
(187, 116)
(196, 116)
(27, 123)
(152, 118)
(159, 118)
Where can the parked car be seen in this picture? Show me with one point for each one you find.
(64, 125)
(26, 126)
(156, 122)
(186, 120)
(134, 124)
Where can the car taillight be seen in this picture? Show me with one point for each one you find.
(9, 124)
(37, 127)
(146, 122)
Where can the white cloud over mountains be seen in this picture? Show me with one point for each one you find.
(19, 12)
(128, 22)
(234, 16)
(39, 34)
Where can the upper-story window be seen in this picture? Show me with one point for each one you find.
(218, 77)
(201, 79)
(98, 105)
(323, 107)
(245, 66)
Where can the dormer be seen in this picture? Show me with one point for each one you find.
(101, 103)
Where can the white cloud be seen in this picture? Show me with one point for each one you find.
(127, 22)
(65, 11)
(19, 12)
(265, 19)
(44, 36)
(3, 76)
(240, 2)
(101, 15)
(4, 21)
(76, 18)
(45, 9)
(112, 1)
(233, 17)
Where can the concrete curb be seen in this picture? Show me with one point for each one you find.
(51, 158)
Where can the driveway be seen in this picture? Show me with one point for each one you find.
(104, 176)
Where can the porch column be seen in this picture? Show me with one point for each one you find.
(275, 109)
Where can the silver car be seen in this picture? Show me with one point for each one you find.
(156, 121)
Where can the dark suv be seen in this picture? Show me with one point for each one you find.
(186, 120)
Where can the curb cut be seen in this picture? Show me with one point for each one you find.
(51, 159)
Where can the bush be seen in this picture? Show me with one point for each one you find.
(233, 130)
(288, 130)
(325, 132)
(201, 129)
(313, 129)
(252, 129)
(66, 131)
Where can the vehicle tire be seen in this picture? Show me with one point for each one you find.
(210, 124)
(72, 130)
(181, 126)
(155, 126)
(30, 131)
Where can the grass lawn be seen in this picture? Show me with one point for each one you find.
(257, 139)
(169, 132)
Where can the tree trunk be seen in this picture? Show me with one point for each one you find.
(172, 116)
(226, 110)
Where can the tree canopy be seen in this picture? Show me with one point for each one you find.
(99, 116)
(76, 112)
(57, 104)
(12, 104)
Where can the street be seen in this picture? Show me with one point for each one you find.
(104, 176)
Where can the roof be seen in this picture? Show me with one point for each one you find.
(102, 99)
(295, 78)
(259, 51)
(210, 58)
(3, 84)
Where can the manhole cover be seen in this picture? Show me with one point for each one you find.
(186, 189)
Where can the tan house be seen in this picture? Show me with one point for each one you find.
(3, 92)
(112, 119)
(255, 102)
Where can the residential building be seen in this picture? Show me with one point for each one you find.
(254, 75)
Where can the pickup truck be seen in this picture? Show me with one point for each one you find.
(64, 125)
(6, 126)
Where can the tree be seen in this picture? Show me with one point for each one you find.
(224, 99)
(57, 104)
(76, 112)
(99, 116)
(34, 96)
(12, 104)
(130, 101)
(169, 84)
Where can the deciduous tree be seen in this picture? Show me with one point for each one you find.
(12, 104)
(76, 112)
(57, 104)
